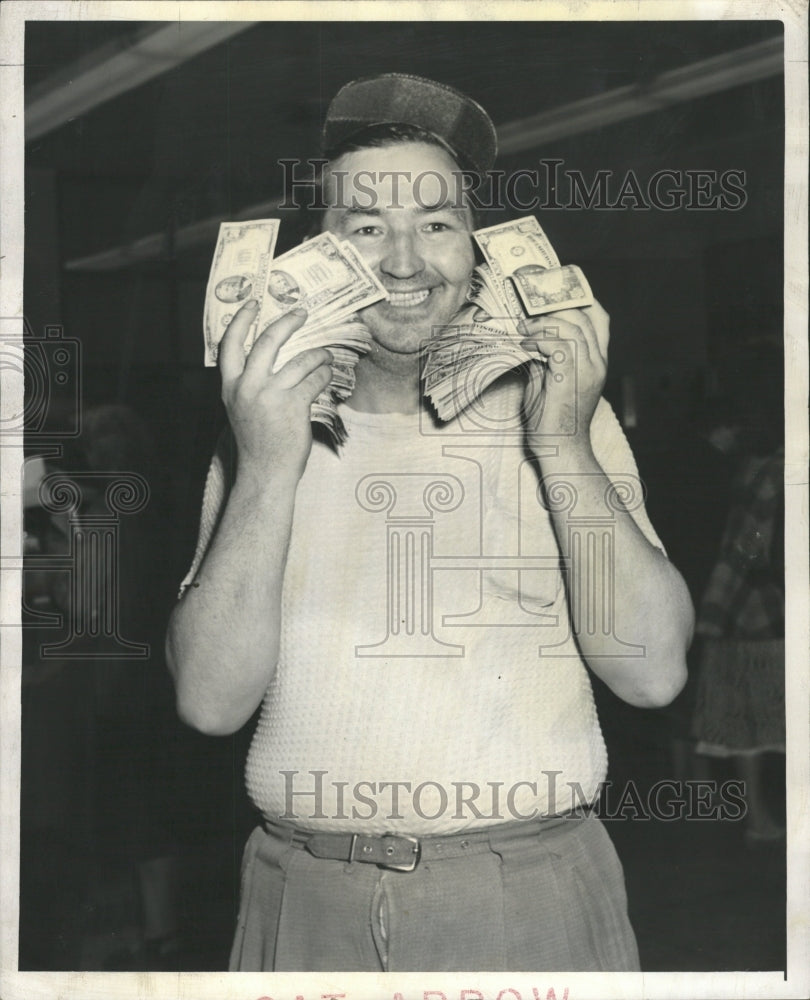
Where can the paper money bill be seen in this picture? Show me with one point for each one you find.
(238, 272)
(557, 288)
(509, 249)
(465, 359)
(522, 278)
(325, 276)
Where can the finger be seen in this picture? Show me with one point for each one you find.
(591, 339)
(564, 322)
(265, 350)
(302, 365)
(560, 357)
(313, 385)
(586, 341)
(600, 321)
(547, 335)
(591, 321)
(232, 346)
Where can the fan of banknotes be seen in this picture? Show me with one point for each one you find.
(325, 275)
(328, 277)
(522, 277)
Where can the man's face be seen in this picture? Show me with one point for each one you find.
(400, 207)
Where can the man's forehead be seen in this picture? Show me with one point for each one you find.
(409, 154)
(415, 175)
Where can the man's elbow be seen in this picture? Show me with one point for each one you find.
(659, 690)
(207, 716)
(209, 723)
(668, 674)
(192, 709)
(659, 676)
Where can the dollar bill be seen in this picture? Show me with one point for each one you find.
(238, 272)
(325, 275)
(522, 277)
(465, 359)
(556, 288)
(511, 247)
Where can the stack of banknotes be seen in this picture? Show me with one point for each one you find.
(325, 275)
(522, 277)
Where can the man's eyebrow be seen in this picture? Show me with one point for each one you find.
(359, 210)
(445, 205)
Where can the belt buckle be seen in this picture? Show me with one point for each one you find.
(406, 866)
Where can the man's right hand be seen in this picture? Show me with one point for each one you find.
(270, 412)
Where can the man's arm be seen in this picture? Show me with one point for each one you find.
(222, 643)
(650, 602)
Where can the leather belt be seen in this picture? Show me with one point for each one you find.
(401, 852)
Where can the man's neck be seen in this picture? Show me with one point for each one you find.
(386, 383)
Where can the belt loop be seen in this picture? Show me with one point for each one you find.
(297, 837)
(351, 848)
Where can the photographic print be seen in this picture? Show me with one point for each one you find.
(403, 457)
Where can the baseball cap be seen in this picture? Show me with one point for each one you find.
(401, 99)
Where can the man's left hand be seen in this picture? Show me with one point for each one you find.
(561, 400)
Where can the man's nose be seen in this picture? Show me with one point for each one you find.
(401, 257)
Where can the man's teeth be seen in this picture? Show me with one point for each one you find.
(408, 298)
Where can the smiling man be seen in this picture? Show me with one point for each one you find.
(402, 206)
(414, 614)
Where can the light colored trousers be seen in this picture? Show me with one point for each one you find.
(547, 902)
